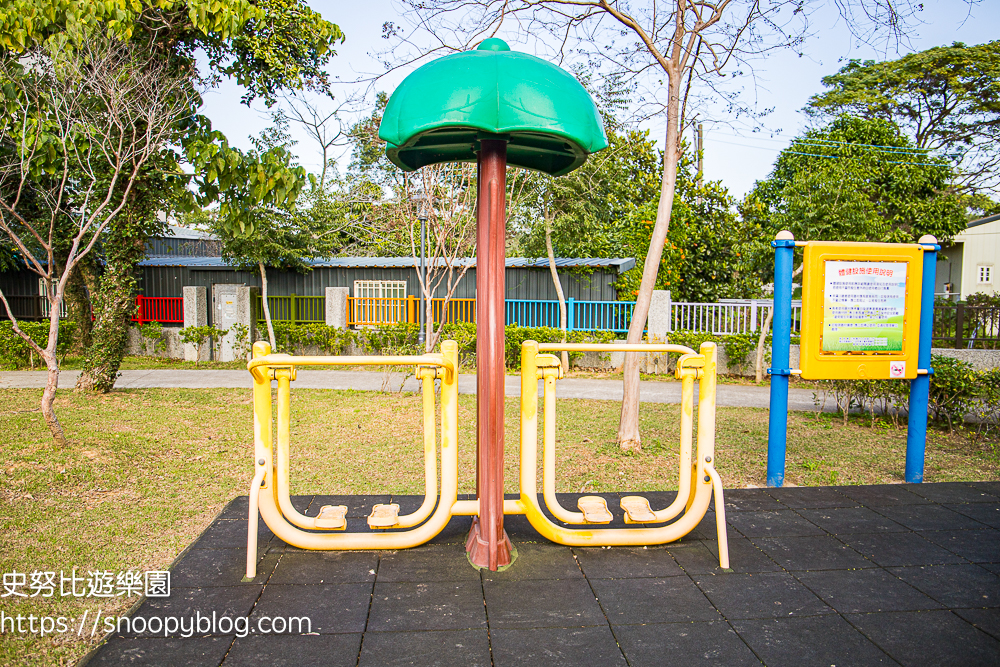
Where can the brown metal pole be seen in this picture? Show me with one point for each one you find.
(488, 544)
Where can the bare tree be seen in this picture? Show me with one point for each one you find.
(321, 120)
(662, 43)
(80, 126)
(445, 195)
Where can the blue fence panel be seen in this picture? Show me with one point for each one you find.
(603, 315)
(580, 315)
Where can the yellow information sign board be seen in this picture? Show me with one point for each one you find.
(860, 310)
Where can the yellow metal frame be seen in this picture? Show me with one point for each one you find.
(270, 494)
(269, 490)
(697, 481)
(816, 364)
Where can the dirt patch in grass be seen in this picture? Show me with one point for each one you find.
(147, 470)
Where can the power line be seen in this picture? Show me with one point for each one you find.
(809, 140)
(833, 157)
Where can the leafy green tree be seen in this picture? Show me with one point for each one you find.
(268, 46)
(945, 99)
(587, 207)
(78, 129)
(855, 179)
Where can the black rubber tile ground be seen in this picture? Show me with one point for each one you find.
(921, 638)
(432, 562)
(870, 590)
(978, 546)
(539, 561)
(811, 640)
(542, 603)
(185, 604)
(326, 567)
(703, 557)
(750, 500)
(688, 644)
(953, 492)
(985, 513)
(954, 586)
(455, 532)
(882, 495)
(987, 620)
(811, 497)
(435, 605)
(232, 534)
(331, 608)
(781, 523)
(849, 520)
(162, 652)
(823, 552)
(828, 576)
(900, 549)
(626, 562)
(563, 647)
(295, 651)
(201, 568)
(441, 648)
(762, 595)
(631, 601)
(928, 517)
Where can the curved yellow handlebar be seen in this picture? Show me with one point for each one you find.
(284, 360)
(608, 347)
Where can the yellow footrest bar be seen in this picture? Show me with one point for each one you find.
(331, 517)
(637, 510)
(384, 516)
(595, 509)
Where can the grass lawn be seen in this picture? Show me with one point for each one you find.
(147, 470)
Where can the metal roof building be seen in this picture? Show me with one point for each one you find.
(583, 279)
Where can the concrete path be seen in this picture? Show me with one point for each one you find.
(607, 390)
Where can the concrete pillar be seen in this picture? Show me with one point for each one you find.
(195, 315)
(231, 308)
(336, 306)
(245, 297)
(658, 322)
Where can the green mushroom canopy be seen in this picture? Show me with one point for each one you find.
(441, 111)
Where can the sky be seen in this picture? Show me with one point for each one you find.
(736, 153)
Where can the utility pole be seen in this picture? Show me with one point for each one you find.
(699, 149)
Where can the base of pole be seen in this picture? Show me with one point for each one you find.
(478, 549)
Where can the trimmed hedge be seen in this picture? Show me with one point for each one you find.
(403, 339)
(956, 390)
(15, 353)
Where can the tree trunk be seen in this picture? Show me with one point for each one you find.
(49, 394)
(48, 354)
(759, 365)
(558, 286)
(55, 295)
(114, 306)
(628, 427)
(263, 303)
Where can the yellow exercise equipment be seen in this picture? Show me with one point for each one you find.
(697, 481)
(269, 490)
(270, 494)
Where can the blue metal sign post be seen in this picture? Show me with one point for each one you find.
(916, 427)
(781, 342)
(777, 434)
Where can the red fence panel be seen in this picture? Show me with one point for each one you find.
(162, 309)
